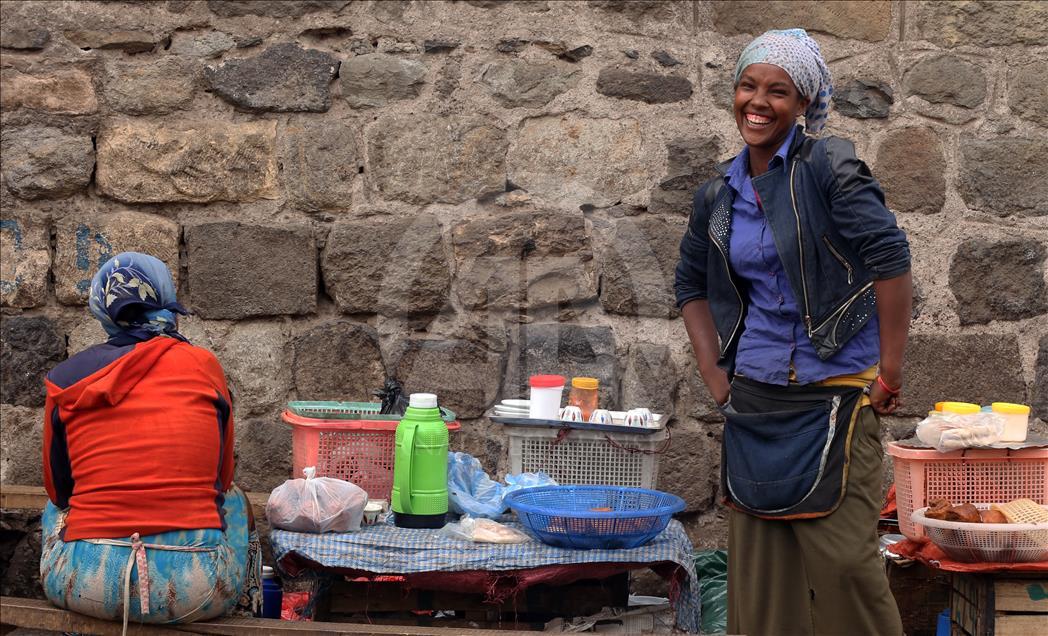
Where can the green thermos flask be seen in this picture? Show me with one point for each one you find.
(420, 465)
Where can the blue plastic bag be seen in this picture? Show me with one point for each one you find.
(472, 492)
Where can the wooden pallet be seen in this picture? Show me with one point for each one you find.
(34, 498)
(999, 605)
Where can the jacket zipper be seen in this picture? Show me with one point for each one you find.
(727, 268)
(839, 257)
(840, 312)
(800, 247)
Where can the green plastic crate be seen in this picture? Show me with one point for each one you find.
(327, 410)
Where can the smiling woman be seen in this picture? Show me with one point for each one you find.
(794, 285)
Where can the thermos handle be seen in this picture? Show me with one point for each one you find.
(403, 477)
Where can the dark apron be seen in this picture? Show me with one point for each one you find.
(787, 448)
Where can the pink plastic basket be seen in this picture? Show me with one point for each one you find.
(976, 475)
(358, 451)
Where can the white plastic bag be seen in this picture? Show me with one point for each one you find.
(316, 504)
(481, 530)
(954, 431)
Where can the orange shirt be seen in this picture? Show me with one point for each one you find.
(138, 439)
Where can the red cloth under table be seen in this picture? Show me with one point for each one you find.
(932, 555)
(498, 586)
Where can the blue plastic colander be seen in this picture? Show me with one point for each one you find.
(587, 517)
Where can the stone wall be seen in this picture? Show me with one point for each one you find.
(464, 193)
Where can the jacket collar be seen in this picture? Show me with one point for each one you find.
(798, 139)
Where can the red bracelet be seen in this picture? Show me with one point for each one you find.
(884, 385)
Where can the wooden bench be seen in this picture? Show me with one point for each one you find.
(21, 612)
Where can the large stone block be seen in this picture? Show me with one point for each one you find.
(197, 44)
(45, 163)
(321, 162)
(337, 360)
(637, 267)
(693, 397)
(1039, 396)
(690, 468)
(30, 346)
(26, 247)
(523, 260)
(273, 8)
(690, 162)
(280, 263)
(24, 39)
(59, 92)
(126, 41)
(651, 88)
(863, 99)
(463, 374)
(392, 267)
(376, 79)
(868, 20)
(154, 87)
(283, 78)
(21, 438)
(568, 350)
(649, 379)
(257, 362)
(519, 83)
(1027, 96)
(198, 162)
(947, 79)
(999, 280)
(1004, 176)
(911, 168)
(85, 242)
(982, 23)
(979, 368)
(576, 160)
(263, 450)
(427, 158)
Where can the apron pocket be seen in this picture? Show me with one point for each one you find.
(775, 459)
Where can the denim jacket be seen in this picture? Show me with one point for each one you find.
(833, 233)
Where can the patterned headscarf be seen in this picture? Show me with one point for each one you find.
(140, 286)
(795, 52)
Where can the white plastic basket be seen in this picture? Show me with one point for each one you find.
(987, 542)
(587, 457)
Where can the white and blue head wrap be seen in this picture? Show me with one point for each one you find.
(795, 52)
(133, 296)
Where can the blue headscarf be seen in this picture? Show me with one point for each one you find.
(140, 286)
(795, 52)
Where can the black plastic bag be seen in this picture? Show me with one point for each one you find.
(394, 402)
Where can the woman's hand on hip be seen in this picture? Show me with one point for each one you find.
(883, 402)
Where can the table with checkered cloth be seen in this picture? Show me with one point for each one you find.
(386, 549)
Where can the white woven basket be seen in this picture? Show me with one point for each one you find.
(987, 542)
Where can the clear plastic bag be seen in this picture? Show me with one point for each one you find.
(316, 504)
(472, 492)
(954, 431)
(483, 531)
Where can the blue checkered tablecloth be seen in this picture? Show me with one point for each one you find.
(386, 549)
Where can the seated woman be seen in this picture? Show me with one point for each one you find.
(143, 520)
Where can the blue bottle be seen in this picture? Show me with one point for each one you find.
(272, 595)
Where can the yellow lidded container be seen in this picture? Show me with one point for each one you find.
(1016, 420)
(960, 408)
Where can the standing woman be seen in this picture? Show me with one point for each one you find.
(144, 522)
(794, 285)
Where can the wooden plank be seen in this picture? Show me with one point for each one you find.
(37, 614)
(34, 498)
(1017, 595)
(1020, 624)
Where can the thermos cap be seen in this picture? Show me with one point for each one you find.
(423, 400)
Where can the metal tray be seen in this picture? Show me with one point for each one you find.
(581, 426)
